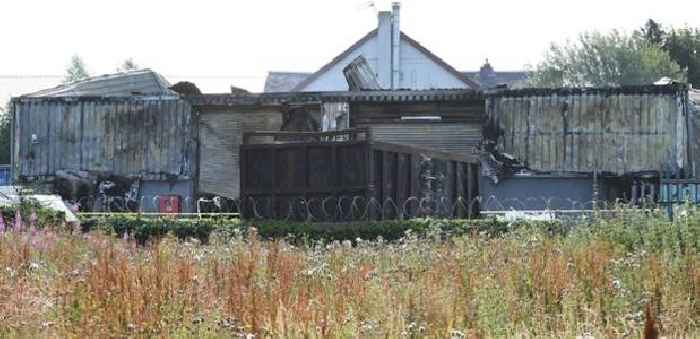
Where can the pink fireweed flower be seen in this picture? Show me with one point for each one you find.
(2, 224)
(40, 242)
(33, 218)
(18, 221)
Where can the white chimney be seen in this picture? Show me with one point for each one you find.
(396, 46)
(384, 55)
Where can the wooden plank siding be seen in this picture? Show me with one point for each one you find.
(117, 136)
(275, 174)
(586, 130)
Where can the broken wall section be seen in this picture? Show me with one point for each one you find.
(615, 131)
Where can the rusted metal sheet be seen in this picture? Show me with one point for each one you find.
(608, 130)
(150, 138)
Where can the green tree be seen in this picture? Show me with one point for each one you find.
(682, 44)
(601, 60)
(653, 33)
(684, 47)
(128, 65)
(76, 70)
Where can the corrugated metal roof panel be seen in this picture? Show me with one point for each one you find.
(452, 138)
(140, 82)
(283, 81)
(340, 96)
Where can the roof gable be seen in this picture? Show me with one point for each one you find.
(371, 35)
(439, 61)
(335, 61)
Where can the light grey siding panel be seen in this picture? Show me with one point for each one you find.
(220, 137)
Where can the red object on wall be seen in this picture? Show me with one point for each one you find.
(169, 204)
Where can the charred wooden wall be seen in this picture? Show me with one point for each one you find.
(611, 130)
(275, 178)
(221, 132)
(457, 128)
(694, 132)
(150, 138)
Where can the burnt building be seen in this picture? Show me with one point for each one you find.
(129, 137)
(555, 145)
(443, 120)
(566, 148)
(126, 133)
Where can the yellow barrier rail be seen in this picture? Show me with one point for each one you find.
(157, 214)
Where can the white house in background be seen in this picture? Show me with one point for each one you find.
(399, 62)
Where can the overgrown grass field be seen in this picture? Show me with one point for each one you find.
(602, 278)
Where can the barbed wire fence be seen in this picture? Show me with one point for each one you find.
(359, 207)
(353, 208)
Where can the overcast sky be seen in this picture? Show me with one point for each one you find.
(246, 39)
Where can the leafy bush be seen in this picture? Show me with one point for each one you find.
(143, 229)
(630, 229)
(44, 217)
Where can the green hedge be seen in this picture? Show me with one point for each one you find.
(654, 232)
(143, 229)
(44, 217)
(388, 230)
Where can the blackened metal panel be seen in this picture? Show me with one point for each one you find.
(606, 130)
(105, 136)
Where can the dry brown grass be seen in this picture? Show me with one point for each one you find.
(526, 284)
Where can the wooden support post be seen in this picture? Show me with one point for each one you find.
(403, 184)
(275, 189)
(471, 190)
(243, 163)
(450, 187)
(371, 181)
(460, 189)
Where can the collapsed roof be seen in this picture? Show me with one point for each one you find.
(131, 83)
